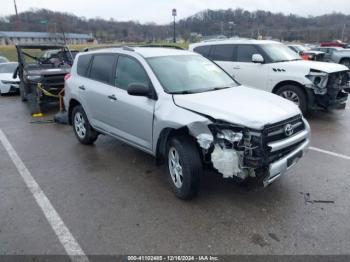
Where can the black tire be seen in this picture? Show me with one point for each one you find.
(299, 92)
(191, 164)
(22, 92)
(90, 135)
(346, 62)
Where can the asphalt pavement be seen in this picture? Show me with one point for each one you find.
(111, 199)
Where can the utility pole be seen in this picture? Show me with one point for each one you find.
(343, 33)
(174, 12)
(17, 17)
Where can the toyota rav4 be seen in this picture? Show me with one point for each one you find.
(187, 112)
(273, 67)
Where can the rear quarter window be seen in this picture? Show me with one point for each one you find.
(83, 65)
(102, 68)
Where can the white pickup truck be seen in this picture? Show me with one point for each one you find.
(273, 67)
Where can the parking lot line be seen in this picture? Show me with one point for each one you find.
(69, 243)
(329, 153)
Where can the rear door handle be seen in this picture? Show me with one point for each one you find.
(236, 67)
(112, 97)
(82, 88)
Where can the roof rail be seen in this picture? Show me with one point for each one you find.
(125, 47)
(131, 47)
(163, 46)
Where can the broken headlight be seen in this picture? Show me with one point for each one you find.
(227, 138)
(319, 81)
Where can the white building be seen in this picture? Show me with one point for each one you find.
(11, 38)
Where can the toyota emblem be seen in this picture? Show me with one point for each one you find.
(289, 130)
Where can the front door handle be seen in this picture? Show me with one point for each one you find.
(236, 67)
(82, 88)
(112, 97)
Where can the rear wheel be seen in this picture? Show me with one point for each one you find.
(184, 167)
(294, 94)
(82, 128)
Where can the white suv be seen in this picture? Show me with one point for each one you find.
(187, 112)
(273, 67)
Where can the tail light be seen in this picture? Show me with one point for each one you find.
(67, 76)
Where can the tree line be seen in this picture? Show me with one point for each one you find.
(231, 22)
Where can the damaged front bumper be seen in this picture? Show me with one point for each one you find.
(258, 156)
(280, 167)
(330, 92)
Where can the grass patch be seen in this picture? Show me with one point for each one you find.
(10, 51)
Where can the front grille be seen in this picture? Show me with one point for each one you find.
(276, 132)
(53, 81)
(338, 80)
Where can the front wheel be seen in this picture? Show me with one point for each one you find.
(82, 128)
(296, 95)
(184, 167)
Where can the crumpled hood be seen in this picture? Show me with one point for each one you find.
(305, 66)
(8, 77)
(240, 105)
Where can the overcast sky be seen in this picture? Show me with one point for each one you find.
(159, 11)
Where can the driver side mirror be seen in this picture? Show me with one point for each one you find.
(258, 59)
(138, 89)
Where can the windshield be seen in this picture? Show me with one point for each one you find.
(301, 48)
(280, 53)
(8, 68)
(45, 56)
(186, 74)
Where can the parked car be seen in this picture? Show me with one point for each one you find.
(334, 44)
(306, 53)
(8, 84)
(42, 78)
(273, 67)
(337, 55)
(187, 112)
(3, 59)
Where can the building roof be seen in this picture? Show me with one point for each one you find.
(9, 34)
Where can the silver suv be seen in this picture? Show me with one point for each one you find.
(187, 112)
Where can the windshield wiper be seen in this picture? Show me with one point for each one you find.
(184, 92)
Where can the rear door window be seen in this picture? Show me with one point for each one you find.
(102, 68)
(246, 52)
(222, 52)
